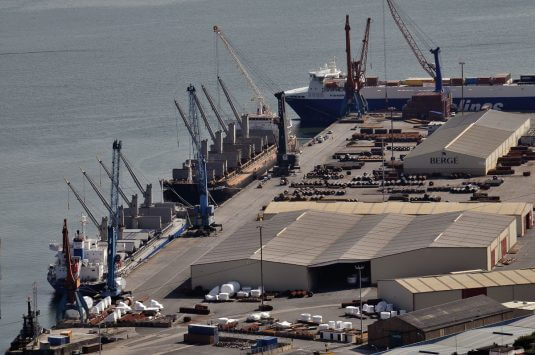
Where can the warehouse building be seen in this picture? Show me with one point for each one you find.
(422, 292)
(522, 211)
(439, 321)
(468, 144)
(315, 250)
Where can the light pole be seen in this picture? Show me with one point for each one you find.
(391, 109)
(359, 268)
(261, 270)
(383, 167)
(462, 87)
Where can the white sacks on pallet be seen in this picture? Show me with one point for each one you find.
(242, 294)
(156, 304)
(305, 317)
(384, 315)
(111, 318)
(254, 317)
(317, 319)
(138, 306)
(88, 301)
(223, 296)
(256, 293)
(283, 325)
(323, 326)
(230, 287)
(351, 310)
(332, 324)
(348, 325)
(367, 308)
(265, 315)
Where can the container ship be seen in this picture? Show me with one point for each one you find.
(322, 102)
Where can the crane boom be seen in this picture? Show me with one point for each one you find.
(428, 67)
(131, 171)
(188, 126)
(113, 228)
(203, 115)
(229, 99)
(262, 105)
(97, 190)
(214, 108)
(360, 65)
(123, 195)
(79, 198)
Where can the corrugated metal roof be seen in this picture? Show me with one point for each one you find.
(316, 238)
(507, 208)
(475, 134)
(461, 281)
(456, 312)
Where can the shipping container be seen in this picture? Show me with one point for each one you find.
(470, 81)
(372, 81)
(483, 80)
(202, 329)
(57, 340)
(527, 78)
(457, 81)
(267, 341)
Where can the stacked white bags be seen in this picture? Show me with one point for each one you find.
(317, 319)
(305, 317)
(138, 306)
(351, 311)
(223, 296)
(283, 325)
(384, 315)
(254, 317)
(212, 295)
(156, 304)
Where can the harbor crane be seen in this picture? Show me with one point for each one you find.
(123, 195)
(203, 115)
(229, 99)
(360, 64)
(100, 226)
(113, 227)
(147, 192)
(433, 70)
(356, 71)
(72, 298)
(214, 108)
(97, 190)
(285, 161)
(204, 212)
(261, 103)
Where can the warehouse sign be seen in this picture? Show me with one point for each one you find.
(443, 160)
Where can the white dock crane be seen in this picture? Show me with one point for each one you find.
(262, 105)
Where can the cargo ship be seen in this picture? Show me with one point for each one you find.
(322, 102)
(92, 255)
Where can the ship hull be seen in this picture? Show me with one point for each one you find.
(324, 111)
(86, 288)
(190, 193)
